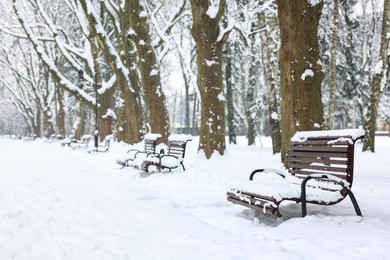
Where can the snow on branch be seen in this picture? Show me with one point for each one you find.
(107, 42)
(164, 33)
(50, 64)
(224, 32)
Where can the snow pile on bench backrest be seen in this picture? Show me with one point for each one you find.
(152, 136)
(353, 133)
(180, 138)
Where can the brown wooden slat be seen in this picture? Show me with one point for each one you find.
(269, 211)
(322, 154)
(325, 161)
(328, 137)
(332, 149)
(318, 167)
(321, 143)
(302, 172)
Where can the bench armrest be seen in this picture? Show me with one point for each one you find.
(278, 172)
(168, 155)
(337, 180)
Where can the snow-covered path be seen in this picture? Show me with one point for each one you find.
(58, 203)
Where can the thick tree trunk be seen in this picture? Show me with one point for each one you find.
(105, 119)
(378, 80)
(205, 31)
(103, 100)
(79, 130)
(270, 82)
(130, 113)
(149, 69)
(301, 74)
(333, 66)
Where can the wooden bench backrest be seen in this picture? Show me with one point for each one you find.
(150, 146)
(323, 155)
(177, 148)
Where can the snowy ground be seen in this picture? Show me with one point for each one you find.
(58, 203)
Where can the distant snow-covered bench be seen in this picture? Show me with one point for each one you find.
(172, 159)
(320, 171)
(150, 143)
(102, 147)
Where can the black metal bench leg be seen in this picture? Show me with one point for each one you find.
(355, 204)
(303, 195)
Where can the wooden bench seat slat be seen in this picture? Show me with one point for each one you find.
(268, 210)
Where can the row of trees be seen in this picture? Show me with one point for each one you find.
(224, 54)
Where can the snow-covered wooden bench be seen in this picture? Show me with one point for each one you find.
(81, 144)
(103, 147)
(68, 141)
(172, 159)
(320, 171)
(150, 143)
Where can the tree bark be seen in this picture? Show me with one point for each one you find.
(270, 82)
(379, 80)
(130, 112)
(205, 32)
(333, 66)
(60, 115)
(149, 69)
(301, 74)
(103, 100)
(229, 98)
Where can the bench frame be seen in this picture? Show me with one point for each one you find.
(328, 159)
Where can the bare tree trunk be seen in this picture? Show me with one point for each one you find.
(250, 99)
(48, 128)
(205, 31)
(378, 80)
(187, 100)
(333, 66)
(79, 131)
(272, 89)
(103, 100)
(229, 98)
(194, 118)
(149, 69)
(36, 124)
(60, 115)
(301, 74)
(131, 121)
